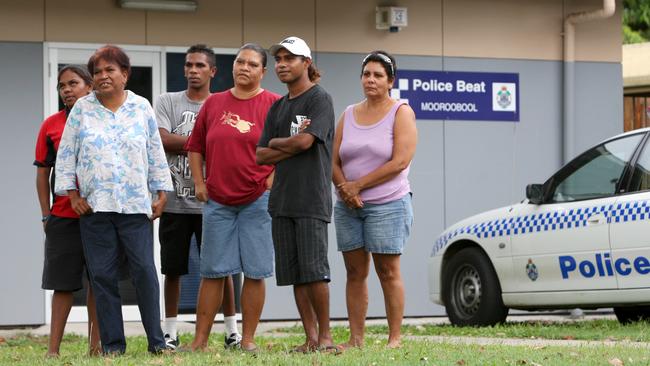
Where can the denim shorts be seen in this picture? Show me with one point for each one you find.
(378, 228)
(237, 239)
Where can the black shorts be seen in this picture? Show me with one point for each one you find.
(175, 233)
(300, 250)
(64, 263)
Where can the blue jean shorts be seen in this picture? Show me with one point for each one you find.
(378, 228)
(237, 239)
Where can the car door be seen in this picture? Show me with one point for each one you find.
(630, 228)
(563, 244)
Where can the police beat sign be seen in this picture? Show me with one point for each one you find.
(449, 95)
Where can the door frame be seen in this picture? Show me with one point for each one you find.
(64, 52)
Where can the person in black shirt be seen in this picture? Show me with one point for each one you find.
(297, 138)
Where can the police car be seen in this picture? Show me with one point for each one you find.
(581, 239)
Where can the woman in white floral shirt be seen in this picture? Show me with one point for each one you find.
(110, 162)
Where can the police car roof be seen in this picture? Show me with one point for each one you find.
(640, 130)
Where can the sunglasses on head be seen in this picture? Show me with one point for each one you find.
(384, 58)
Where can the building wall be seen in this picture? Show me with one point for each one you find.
(636, 76)
(461, 167)
(21, 242)
(510, 29)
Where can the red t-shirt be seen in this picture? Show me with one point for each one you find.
(226, 132)
(47, 145)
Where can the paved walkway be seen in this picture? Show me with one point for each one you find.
(270, 328)
(135, 328)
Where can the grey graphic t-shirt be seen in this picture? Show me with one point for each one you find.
(176, 113)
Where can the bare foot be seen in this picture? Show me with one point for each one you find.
(324, 342)
(248, 347)
(197, 347)
(394, 344)
(52, 355)
(348, 345)
(94, 351)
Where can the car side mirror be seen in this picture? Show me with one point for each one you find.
(535, 193)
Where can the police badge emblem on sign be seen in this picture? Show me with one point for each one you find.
(504, 97)
(531, 270)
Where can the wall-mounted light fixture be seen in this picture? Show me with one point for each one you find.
(164, 5)
(391, 18)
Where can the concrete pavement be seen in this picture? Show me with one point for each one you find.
(268, 327)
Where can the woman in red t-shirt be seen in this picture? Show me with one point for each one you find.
(236, 222)
(64, 258)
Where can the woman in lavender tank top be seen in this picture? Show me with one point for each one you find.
(373, 147)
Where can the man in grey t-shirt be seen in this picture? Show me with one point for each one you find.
(176, 114)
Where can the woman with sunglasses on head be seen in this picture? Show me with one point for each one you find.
(111, 146)
(374, 144)
(64, 258)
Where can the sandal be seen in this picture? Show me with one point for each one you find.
(303, 348)
(331, 349)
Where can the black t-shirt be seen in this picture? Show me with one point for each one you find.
(302, 185)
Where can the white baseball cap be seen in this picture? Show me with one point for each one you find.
(294, 45)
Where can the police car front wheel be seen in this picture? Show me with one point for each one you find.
(472, 294)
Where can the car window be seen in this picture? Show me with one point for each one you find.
(595, 173)
(641, 177)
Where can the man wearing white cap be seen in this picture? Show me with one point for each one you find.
(297, 138)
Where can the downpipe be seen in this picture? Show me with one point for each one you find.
(568, 127)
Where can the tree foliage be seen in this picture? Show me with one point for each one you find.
(636, 21)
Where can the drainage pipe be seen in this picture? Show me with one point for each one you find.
(568, 128)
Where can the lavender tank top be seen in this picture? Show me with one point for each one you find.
(366, 148)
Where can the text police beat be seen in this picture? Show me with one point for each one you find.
(462, 86)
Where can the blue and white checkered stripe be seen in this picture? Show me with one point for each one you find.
(631, 211)
(550, 221)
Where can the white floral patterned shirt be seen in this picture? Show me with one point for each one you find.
(117, 159)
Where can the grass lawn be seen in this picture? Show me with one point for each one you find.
(26, 350)
(593, 330)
